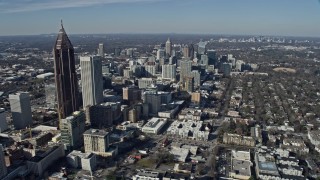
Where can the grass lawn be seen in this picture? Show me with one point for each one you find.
(146, 163)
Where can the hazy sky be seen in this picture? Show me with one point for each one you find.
(250, 17)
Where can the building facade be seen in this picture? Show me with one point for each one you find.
(21, 110)
(91, 79)
(72, 129)
(65, 75)
(96, 141)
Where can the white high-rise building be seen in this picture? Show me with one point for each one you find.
(168, 47)
(91, 79)
(3, 120)
(101, 50)
(150, 70)
(161, 53)
(21, 110)
(3, 167)
(185, 68)
(169, 72)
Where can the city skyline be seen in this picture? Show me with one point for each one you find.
(248, 17)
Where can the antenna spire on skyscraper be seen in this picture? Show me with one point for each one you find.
(61, 24)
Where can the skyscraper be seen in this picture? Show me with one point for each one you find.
(21, 110)
(65, 75)
(169, 72)
(91, 79)
(186, 53)
(168, 47)
(185, 68)
(101, 50)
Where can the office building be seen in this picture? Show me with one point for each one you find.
(169, 72)
(72, 129)
(103, 115)
(3, 120)
(3, 167)
(226, 69)
(50, 91)
(150, 70)
(65, 75)
(155, 99)
(191, 51)
(21, 110)
(146, 82)
(131, 93)
(168, 47)
(185, 68)
(204, 60)
(85, 161)
(45, 158)
(154, 125)
(91, 79)
(202, 47)
(188, 84)
(196, 97)
(161, 53)
(196, 77)
(212, 57)
(96, 141)
(185, 51)
(133, 115)
(101, 50)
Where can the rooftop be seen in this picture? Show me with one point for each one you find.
(96, 132)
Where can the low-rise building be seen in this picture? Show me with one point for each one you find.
(189, 129)
(86, 161)
(146, 175)
(154, 125)
(238, 140)
(240, 165)
(43, 159)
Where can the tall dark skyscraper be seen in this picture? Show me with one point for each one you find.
(65, 75)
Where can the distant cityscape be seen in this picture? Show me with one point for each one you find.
(159, 107)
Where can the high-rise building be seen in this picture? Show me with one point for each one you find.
(21, 110)
(133, 115)
(161, 53)
(72, 129)
(196, 77)
(65, 75)
(196, 97)
(204, 60)
(3, 120)
(185, 51)
(202, 47)
(191, 51)
(188, 84)
(50, 90)
(103, 115)
(3, 167)
(150, 70)
(96, 141)
(226, 69)
(154, 100)
(91, 79)
(101, 50)
(131, 93)
(168, 47)
(212, 57)
(146, 82)
(169, 72)
(185, 68)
